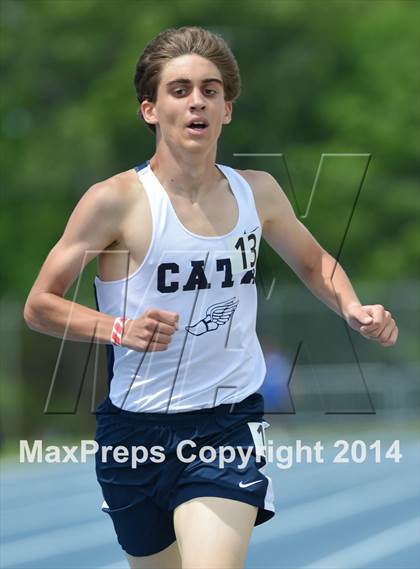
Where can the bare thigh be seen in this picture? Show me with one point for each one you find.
(213, 533)
(169, 558)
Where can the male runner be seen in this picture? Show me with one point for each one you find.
(178, 240)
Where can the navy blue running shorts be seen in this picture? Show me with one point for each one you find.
(150, 463)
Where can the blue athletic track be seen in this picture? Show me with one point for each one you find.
(329, 515)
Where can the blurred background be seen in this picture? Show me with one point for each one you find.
(329, 106)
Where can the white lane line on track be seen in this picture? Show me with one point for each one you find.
(27, 492)
(64, 510)
(358, 555)
(337, 506)
(57, 542)
(118, 565)
(321, 511)
(373, 548)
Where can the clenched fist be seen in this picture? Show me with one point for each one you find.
(152, 332)
(373, 322)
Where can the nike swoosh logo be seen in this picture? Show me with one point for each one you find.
(242, 485)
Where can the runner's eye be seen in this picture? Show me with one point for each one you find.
(179, 92)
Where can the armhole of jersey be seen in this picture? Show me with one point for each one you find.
(152, 240)
(153, 216)
(242, 180)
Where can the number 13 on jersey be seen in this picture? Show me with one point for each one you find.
(244, 250)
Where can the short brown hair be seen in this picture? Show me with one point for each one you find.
(175, 42)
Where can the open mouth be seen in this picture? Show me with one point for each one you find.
(197, 125)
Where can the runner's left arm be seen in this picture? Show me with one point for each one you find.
(318, 270)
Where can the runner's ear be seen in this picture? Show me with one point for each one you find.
(147, 109)
(228, 112)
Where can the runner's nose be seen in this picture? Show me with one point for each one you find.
(197, 100)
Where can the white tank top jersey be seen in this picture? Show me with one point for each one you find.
(215, 356)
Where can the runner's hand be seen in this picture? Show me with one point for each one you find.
(152, 332)
(373, 322)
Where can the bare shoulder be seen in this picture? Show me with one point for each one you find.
(267, 191)
(115, 193)
(101, 211)
(258, 179)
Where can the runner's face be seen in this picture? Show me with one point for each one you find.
(190, 108)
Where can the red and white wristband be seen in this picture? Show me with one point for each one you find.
(118, 330)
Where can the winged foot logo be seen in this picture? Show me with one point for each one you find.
(216, 315)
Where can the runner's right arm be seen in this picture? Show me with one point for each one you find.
(94, 224)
